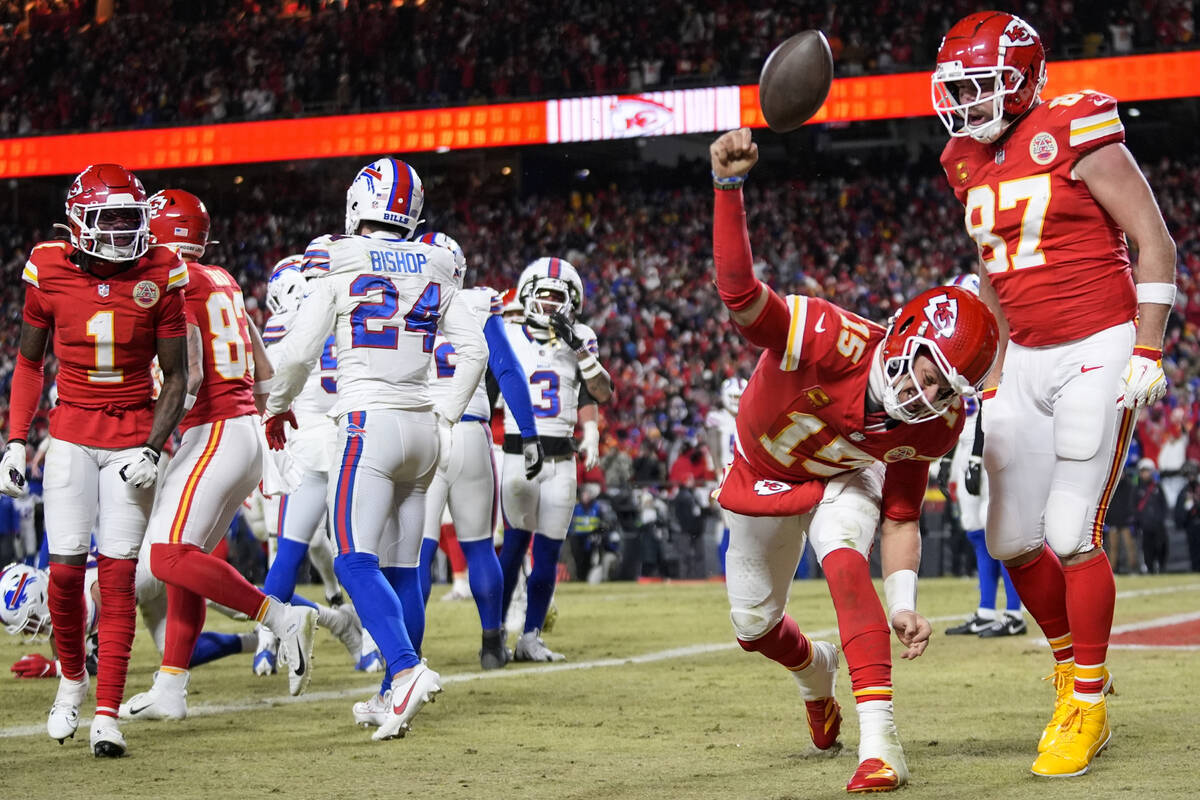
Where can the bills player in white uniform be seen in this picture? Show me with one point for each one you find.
(722, 440)
(558, 354)
(300, 513)
(385, 298)
(470, 475)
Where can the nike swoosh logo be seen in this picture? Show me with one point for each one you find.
(300, 667)
(1089, 369)
(820, 326)
(133, 712)
(404, 703)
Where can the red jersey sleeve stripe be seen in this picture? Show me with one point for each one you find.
(798, 307)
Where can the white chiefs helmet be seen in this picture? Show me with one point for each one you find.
(732, 390)
(460, 261)
(23, 608)
(548, 285)
(286, 286)
(387, 191)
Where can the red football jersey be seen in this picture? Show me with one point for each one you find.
(1058, 262)
(105, 338)
(803, 415)
(216, 307)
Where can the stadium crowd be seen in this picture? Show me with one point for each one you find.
(222, 60)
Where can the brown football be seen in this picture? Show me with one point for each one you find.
(795, 80)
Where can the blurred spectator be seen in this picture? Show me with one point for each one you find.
(1120, 523)
(1187, 512)
(594, 537)
(1150, 514)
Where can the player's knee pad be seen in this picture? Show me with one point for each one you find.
(1077, 436)
(852, 523)
(1065, 523)
(754, 622)
(998, 444)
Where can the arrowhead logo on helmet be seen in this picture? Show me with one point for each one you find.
(108, 213)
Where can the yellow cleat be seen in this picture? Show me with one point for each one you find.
(1064, 688)
(1084, 732)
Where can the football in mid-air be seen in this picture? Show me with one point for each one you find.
(795, 80)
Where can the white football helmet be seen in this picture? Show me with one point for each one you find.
(460, 261)
(968, 281)
(387, 191)
(548, 285)
(23, 608)
(732, 390)
(286, 286)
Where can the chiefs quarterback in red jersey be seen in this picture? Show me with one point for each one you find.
(217, 465)
(835, 435)
(113, 303)
(1051, 196)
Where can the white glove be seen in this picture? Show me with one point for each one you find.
(1143, 382)
(142, 472)
(12, 470)
(445, 433)
(590, 445)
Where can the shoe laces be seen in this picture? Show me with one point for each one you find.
(1064, 680)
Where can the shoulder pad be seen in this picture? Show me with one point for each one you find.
(316, 255)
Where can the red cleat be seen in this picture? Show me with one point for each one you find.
(874, 775)
(824, 721)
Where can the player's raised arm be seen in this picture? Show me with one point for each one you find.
(760, 313)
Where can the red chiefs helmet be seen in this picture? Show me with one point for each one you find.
(179, 220)
(510, 306)
(1002, 57)
(956, 331)
(108, 214)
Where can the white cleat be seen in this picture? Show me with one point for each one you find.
(166, 699)
(458, 592)
(409, 695)
(107, 739)
(369, 657)
(296, 646)
(530, 647)
(64, 713)
(348, 629)
(881, 763)
(265, 654)
(373, 713)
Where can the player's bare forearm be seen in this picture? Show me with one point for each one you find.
(168, 410)
(600, 387)
(987, 293)
(899, 546)
(263, 370)
(195, 351)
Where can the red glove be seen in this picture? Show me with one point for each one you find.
(35, 665)
(276, 433)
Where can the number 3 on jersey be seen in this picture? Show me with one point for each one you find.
(368, 321)
(544, 393)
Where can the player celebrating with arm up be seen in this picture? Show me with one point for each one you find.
(836, 429)
(113, 303)
(1051, 196)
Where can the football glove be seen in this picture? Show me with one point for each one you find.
(973, 483)
(534, 456)
(276, 432)
(12, 469)
(564, 330)
(142, 472)
(1143, 382)
(35, 665)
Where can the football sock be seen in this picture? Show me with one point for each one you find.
(406, 583)
(512, 554)
(281, 578)
(783, 643)
(487, 582)
(1091, 596)
(542, 579)
(378, 607)
(1042, 587)
(862, 624)
(65, 600)
(429, 548)
(986, 567)
(211, 646)
(453, 550)
(190, 567)
(185, 620)
(118, 617)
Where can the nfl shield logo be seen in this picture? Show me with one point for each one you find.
(103, 289)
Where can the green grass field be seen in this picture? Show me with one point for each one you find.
(656, 702)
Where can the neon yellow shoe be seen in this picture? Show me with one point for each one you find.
(1083, 734)
(1064, 688)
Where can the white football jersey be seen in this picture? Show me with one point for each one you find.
(384, 299)
(484, 303)
(320, 390)
(552, 369)
(726, 426)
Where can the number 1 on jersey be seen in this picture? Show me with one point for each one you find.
(102, 328)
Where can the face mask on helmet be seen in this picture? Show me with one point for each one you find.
(108, 214)
(547, 296)
(387, 191)
(286, 287)
(23, 608)
(731, 393)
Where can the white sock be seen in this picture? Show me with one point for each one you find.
(986, 613)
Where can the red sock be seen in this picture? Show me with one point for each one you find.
(862, 625)
(185, 620)
(783, 643)
(67, 612)
(118, 617)
(1043, 590)
(1091, 595)
(189, 567)
(449, 543)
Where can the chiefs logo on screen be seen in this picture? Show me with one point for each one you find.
(942, 313)
(1017, 34)
(636, 116)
